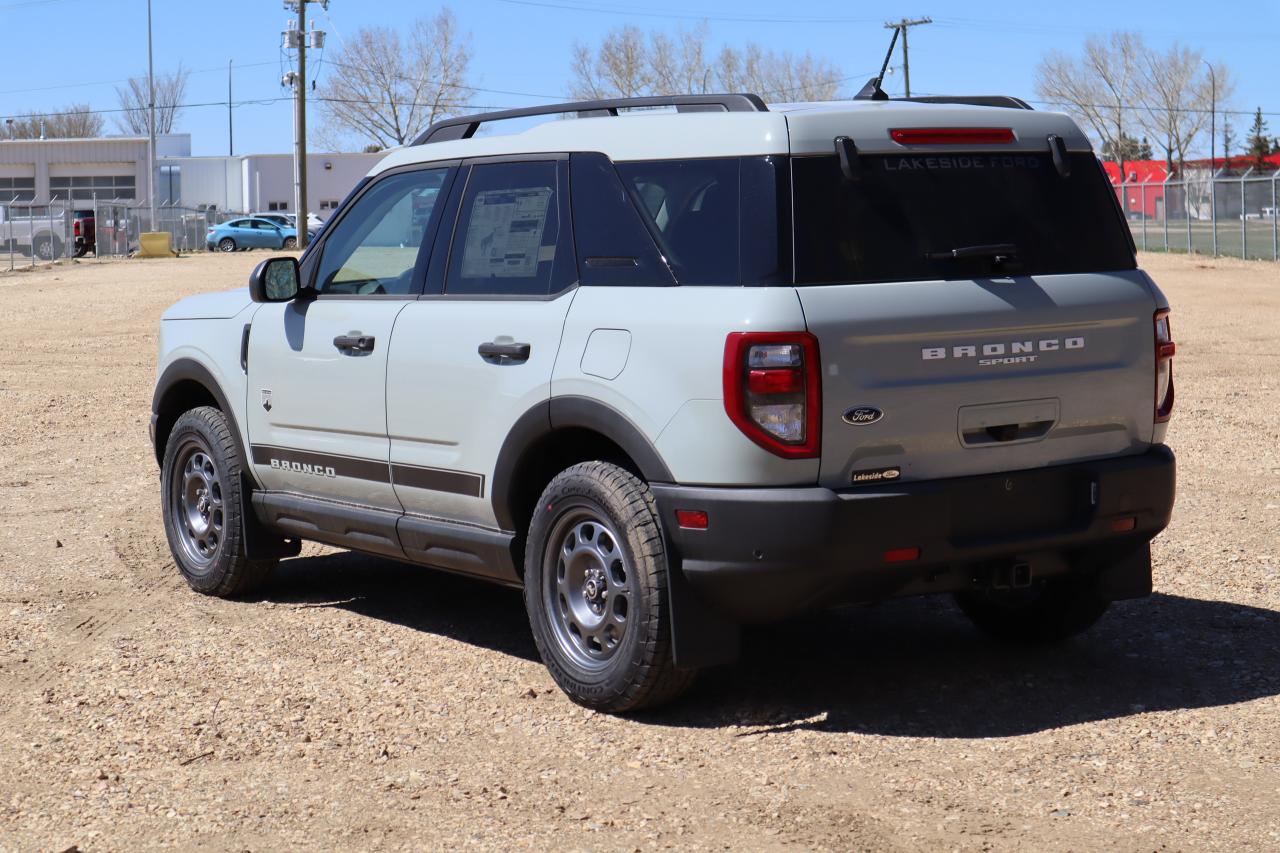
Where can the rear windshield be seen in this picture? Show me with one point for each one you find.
(953, 216)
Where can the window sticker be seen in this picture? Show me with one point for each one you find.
(504, 237)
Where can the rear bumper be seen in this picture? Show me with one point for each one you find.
(771, 553)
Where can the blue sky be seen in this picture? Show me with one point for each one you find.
(62, 51)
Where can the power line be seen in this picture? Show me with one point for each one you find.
(648, 12)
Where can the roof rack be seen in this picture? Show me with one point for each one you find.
(465, 127)
(973, 100)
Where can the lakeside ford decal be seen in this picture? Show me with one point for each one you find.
(1014, 352)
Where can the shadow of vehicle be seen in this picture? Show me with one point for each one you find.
(909, 668)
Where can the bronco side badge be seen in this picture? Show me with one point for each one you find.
(861, 415)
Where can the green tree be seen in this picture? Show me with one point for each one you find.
(1259, 142)
(1130, 149)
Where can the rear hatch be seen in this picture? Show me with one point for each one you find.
(976, 311)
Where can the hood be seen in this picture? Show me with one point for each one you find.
(210, 306)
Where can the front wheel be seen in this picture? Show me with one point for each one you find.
(201, 481)
(596, 590)
(1049, 611)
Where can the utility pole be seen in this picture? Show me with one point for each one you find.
(151, 110)
(296, 36)
(231, 136)
(902, 26)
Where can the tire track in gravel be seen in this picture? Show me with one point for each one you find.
(148, 561)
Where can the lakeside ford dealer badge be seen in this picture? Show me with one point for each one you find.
(862, 415)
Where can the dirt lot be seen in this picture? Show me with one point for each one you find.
(364, 704)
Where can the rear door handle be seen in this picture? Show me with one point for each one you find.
(504, 353)
(354, 343)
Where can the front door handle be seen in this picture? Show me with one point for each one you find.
(355, 342)
(504, 353)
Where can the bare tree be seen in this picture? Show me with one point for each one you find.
(1175, 97)
(1120, 83)
(630, 63)
(75, 121)
(386, 91)
(135, 98)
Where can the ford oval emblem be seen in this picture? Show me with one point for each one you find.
(862, 415)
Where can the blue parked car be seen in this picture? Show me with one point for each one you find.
(250, 233)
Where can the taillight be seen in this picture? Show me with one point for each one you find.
(1165, 349)
(952, 135)
(772, 390)
(76, 230)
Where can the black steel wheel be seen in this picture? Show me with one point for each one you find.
(201, 485)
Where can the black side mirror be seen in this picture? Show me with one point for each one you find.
(275, 280)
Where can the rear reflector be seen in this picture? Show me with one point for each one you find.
(952, 135)
(691, 519)
(1123, 525)
(901, 555)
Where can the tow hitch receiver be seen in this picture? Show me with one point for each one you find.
(1011, 576)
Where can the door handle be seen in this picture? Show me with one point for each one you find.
(354, 343)
(504, 353)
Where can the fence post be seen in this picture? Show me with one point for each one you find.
(1213, 206)
(1164, 209)
(1186, 207)
(1275, 238)
(1244, 222)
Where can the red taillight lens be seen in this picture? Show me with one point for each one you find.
(76, 231)
(901, 555)
(952, 135)
(772, 390)
(692, 519)
(1165, 349)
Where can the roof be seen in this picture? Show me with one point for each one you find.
(808, 128)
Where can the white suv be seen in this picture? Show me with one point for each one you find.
(674, 373)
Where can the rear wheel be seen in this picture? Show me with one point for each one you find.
(47, 248)
(290, 242)
(596, 590)
(226, 244)
(1049, 611)
(201, 481)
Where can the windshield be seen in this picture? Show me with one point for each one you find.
(953, 216)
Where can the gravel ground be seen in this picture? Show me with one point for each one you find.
(362, 704)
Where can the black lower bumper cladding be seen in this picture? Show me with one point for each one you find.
(770, 553)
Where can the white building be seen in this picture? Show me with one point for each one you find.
(114, 168)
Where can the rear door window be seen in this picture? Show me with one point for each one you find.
(940, 217)
(510, 238)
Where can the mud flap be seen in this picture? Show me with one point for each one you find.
(1128, 575)
(259, 542)
(700, 635)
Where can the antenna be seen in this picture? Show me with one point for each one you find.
(872, 91)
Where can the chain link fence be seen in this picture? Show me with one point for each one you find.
(1231, 215)
(32, 234)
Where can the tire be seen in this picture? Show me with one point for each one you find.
(596, 591)
(81, 251)
(47, 248)
(1049, 611)
(226, 244)
(290, 243)
(201, 484)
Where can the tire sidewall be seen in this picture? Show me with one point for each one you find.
(197, 426)
(570, 492)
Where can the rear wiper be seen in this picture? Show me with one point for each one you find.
(999, 251)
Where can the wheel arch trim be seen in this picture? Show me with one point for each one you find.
(185, 370)
(559, 413)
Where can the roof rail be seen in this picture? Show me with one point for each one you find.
(465, 127)
(973, 100)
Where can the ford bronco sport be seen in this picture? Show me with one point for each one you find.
(678, 372)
